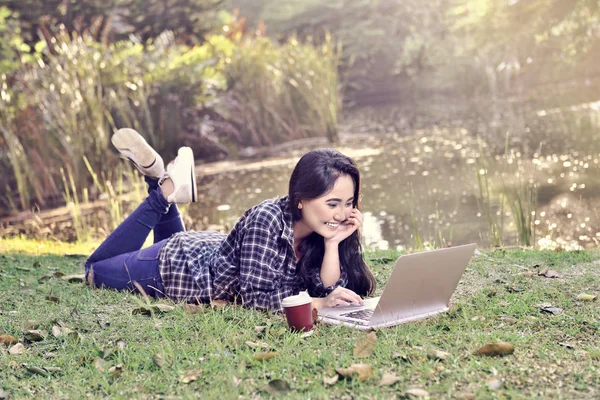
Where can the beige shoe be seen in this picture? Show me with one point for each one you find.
(134, 147)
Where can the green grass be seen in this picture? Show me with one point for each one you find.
(213, 341)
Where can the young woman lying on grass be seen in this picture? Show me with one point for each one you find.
(307, 240)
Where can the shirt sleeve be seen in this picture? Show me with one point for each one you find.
(316, 288)
(261, 268)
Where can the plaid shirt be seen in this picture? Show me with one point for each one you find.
(254, 264)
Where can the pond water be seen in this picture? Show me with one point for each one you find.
(445, 186)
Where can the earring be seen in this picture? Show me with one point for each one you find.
(299, 206)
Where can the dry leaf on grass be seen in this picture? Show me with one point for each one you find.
(158, 360)
(116, 371)
(218, 303)
(259, 329)
(256, 345)
(8, 339)
(193, 308)
(100, 364)
(551, 310)
(495, 349)
(465, 396)
(265, 356)
(52, 299)
(586, 297)
(438, 355)
(278, 386)
(156, 308)
(508, 319)
(494, 384)
(549, 273)
(58, 331)
(567, 345)
(16, 349)
(364, 371)
(77, 278)
(190, 376)
(365, 346)
(327, 381)
(307, 334)
(315, 315)
(417, 392)
(388, 379)
(34, 335)
(44, 371)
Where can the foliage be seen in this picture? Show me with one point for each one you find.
(281, 92)
(113, 20)
(81, 90)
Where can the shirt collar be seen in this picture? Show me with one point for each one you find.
(288, 229)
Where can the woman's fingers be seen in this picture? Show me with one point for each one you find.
(348, 296)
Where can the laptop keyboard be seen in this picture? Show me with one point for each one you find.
(360, 314)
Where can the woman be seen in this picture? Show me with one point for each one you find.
(307, 240)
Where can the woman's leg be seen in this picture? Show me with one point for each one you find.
(121, 271)
(169, 223)
(131, 234)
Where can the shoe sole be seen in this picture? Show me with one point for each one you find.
(133, 146)
(187, 153)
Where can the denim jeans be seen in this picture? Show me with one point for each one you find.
(118, 261)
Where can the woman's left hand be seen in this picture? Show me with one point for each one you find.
(347, 227)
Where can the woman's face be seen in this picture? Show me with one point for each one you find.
(324, 214)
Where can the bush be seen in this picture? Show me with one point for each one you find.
(226, 91)
(281, 92)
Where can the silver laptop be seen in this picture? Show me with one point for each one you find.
(420, 286)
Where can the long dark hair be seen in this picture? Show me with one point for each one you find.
(315, 175)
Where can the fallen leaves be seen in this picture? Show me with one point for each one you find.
(495, 349)
(586, 297)
(58, 331)
(437, 355)
(278, 386)
(193, 308)
(388, 379)
(365, 347)
(363, 371)
(153, 308)
(8, 339)
(34, 335)
(190, 376)
(256, 345)
(159, 360)
(417, 392)
(44, 371)
(549, 273)
(330, 381)
(16, 349)
(551, 310)
(265, 356)
(494, 384)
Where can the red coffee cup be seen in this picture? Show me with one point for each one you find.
(298, 311)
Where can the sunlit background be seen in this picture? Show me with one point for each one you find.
(470, 120)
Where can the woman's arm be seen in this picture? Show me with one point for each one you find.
(330, 268)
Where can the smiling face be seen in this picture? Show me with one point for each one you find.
(324, 214)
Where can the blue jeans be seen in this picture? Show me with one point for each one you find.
(118, 261)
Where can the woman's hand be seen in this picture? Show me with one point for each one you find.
(347, 227)
(339, 297)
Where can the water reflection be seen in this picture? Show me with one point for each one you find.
(424, 189)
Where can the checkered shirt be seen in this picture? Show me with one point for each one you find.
(255, 264)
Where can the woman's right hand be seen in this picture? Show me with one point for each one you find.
(341, 296)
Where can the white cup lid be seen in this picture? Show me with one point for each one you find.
(297, 300)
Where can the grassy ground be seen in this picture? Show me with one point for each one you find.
(111, 352)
